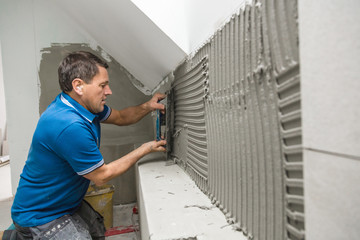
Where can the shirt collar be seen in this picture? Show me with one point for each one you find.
(69, 101)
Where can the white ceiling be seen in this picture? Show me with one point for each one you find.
(129, 36)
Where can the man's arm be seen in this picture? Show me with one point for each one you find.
(107, 172)
(134, 114)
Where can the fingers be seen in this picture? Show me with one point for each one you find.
(159, 106)
(160, 149)
(159, 96)
(161, 142)
(154, 104)
(155, 146)
(159, 146)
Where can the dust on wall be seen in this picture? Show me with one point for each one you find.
(237, 120)
(115, 141)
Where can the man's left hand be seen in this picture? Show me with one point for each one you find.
(154, 104)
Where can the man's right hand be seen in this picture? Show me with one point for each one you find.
(154, 146)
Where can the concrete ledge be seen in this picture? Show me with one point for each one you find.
(173, 207)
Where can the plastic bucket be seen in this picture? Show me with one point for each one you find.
(101, 199)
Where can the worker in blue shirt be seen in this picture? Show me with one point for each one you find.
(64, 155)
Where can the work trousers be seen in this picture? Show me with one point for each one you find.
(85, 223)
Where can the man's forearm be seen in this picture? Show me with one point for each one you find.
(109, 171)
(132, 115)
(122, 164)
(113, 169)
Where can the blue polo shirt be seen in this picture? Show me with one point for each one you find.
(65, 146)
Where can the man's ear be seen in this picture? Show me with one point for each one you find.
(77, 85)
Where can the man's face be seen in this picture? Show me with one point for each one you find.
(95, 93)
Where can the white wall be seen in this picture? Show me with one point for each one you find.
(330, 74)
(20, 78)
(190, 23)
(2, 104)
(27, 27)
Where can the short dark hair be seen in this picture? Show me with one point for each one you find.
(81, 64)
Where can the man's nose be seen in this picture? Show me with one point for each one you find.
(108, 90)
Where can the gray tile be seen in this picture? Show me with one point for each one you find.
(332, 196)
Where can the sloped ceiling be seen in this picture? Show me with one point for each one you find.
(128, 35)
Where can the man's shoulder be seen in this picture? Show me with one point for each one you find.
(57, 114)
(56, 118)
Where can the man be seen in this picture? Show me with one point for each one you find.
(64, 155)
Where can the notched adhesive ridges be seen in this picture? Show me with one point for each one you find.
(250, 120)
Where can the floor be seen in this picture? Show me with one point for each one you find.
(125, 220)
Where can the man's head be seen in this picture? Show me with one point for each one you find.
(84, 77)
(83, 65)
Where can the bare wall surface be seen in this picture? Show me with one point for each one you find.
(116, 141)
(237, 120)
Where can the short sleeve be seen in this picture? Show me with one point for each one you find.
(104, 114)
(78, 146)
